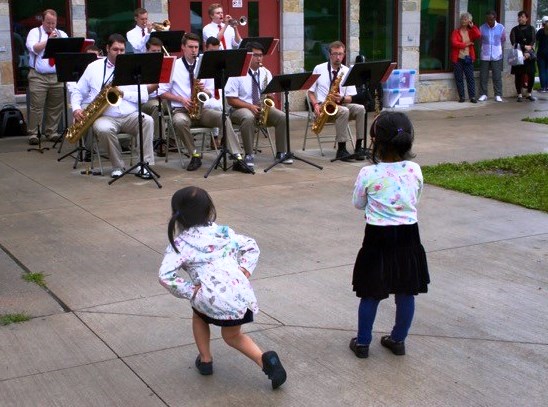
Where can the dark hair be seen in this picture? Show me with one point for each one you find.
(190, 206)
(491, 13)
(212, 41)
(393, 134)
(191, 37)
(523, 13)
(112, 38)
(154, 41)
(255, 45)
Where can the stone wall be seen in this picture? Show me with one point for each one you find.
(6, 56)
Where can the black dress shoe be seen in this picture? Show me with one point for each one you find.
(194, 164)
(273, 368)
(397, 348)
(361, 351)
(360, 154)
(343, 155)
(205, 368)
(473, 100)
(461, 100)
(240, 167)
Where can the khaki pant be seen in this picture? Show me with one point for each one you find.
(106, 128)
(344, 115)
(46, 98)
(151, 108)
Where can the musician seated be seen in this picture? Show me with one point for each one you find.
(180, 93)
(122, 118)
(243, 93)
(342, 96)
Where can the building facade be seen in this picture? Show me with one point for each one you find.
(412, 33)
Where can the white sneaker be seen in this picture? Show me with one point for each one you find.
(498, 98)
(117, 172)
(482, 98)
(249, 160)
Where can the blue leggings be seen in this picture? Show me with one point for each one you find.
(405, 309)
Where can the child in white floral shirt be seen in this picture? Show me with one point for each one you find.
(218, 262)
(392, 259)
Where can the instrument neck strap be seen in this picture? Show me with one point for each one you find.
(331, 76)
(254, 78)
(104, 82)
(190, 69)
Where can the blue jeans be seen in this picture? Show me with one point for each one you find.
(367, 311)
(543, 72)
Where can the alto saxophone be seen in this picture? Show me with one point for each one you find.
(265, 105)
(328, 108)
(198, 98)
(109, 96)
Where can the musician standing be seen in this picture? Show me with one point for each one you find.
(343, 97)
(220, 28)
(46, 94)
(179, 93)
(243, 93)
(122, 118)
(140, 34)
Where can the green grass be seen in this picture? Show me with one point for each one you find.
(36, 278)
(6, 319)
(520, 180)
(539, 120)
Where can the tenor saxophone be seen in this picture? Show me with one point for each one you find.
(109, 96)
(265, 105)
(198, 99)
(328, 108)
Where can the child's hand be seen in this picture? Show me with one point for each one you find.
(196, 288)
(246, 273)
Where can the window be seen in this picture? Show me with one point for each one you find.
(436, 26)
(378, 29)
(26, 15)
(323, 24)
(105, 17)
(478, 8)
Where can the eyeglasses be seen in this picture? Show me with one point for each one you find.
(258, 55)
(338, 54)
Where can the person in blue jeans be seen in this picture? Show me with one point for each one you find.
(392, 259)
(542, 55)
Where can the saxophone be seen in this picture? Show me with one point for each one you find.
(109, 96)
(265, 105)
(198, 99)
(328, 108)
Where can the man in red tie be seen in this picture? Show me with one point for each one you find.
(220, 28)
(46, 94)
(140, 34)
(347, 110)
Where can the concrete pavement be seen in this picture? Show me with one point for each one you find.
(107, 334)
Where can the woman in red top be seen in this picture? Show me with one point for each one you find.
(463, 55)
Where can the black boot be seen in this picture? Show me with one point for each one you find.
(273, 369)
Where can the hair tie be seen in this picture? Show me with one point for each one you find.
(400, 130)
(177, 214)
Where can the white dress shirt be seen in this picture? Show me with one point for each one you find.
(180, 83)
(212, 30)
(241, 86)
(101, 72)
(36, 35)
(137, 40)
(323, 84)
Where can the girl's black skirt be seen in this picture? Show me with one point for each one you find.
(391, 261)
(248, 317)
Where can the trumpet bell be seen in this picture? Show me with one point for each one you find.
(241, 21)
(163, 26)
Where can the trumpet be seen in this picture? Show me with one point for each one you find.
(241, 21)
(163, 26)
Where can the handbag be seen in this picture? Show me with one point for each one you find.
(515, 57)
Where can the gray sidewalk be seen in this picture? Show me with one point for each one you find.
(108, 334)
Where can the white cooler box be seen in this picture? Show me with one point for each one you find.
(398, 97)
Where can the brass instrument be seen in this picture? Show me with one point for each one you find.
(109, 96)
(265, 104)
(198, 98)
(328, 108)
(241, 21)
(163, 26)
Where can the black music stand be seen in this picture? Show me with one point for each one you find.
(222, 65)
(268, 43)
(53, 47)
(40, 149)
(138, 69)
(170, 39)
(70, 66)
(286, 83)
(369, 75)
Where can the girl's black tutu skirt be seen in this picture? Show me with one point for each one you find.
(248, 317)
(391, 260)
